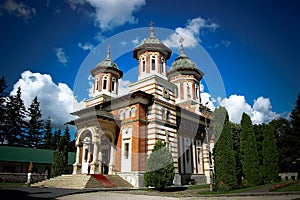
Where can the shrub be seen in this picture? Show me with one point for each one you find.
(159, 167)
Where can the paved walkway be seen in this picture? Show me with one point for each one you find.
(26, 193)
(116, 196)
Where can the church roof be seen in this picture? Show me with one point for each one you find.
(152, 44)
(107, 64)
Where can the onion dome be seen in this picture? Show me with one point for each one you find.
(152, 44)
(107, 65)
(183, 64)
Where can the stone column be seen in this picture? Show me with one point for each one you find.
(94, 164)
(112, 160)
(75, 165)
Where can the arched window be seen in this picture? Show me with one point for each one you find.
(97, 84)
(104, 82)
(127, 113)
(162, 61)
(143, 61)
(121, 114)
(168, 116)
(113, 86)
(133, 112)
(153, 62)
(196, 92)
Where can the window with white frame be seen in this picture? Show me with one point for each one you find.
(133, 112)
(113, 84)
(104, 85)
(121, 114)
(153, 62)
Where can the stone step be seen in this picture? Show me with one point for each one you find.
(80, 181)
(118, 181)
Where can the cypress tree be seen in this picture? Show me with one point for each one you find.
(159, 167)
(35, 125)
(295, 135)
(248, 153)
(235, 131)
(270, 155)
(282, 134)
(225, 164)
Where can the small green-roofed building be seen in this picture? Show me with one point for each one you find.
(17, 159)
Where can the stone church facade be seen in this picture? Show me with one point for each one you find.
(116, 134)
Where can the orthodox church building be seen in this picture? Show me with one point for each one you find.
(116, 134)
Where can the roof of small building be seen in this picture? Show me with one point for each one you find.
(21, 154)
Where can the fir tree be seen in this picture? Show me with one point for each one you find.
(35, 125)
(248, 153)
(48, 142)
(270, 155)
(59, 163)
(3, 96)
(159, 167)
(15, 120)
(225, 164)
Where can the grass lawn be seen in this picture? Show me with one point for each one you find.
(292, 187)
(12, 184)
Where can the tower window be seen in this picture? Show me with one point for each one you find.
(162, 60)
(143, 64)
(196, 92)
(113, 82)
(153, 63)
(97, 83)
(105, 83)
(168, 116)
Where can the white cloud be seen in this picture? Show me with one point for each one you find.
(86, 46)
(135, 41)
(56, 100)
(123, 88)
(61, 56)
(18, 9)
(110, 14)
(192, 33)
(260, 112)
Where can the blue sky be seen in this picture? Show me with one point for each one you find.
(254, 45)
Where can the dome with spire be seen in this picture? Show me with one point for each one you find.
(184, 63)
(152, 44)
(107, 64)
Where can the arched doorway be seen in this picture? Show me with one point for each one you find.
(86, 152)
(105, 151)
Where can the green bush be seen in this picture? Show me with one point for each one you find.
(159, 167)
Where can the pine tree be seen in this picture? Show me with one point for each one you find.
(35, 125)
(270, 155)
(225, 164)
(15, 123)
(48, 142)
(3, 96)
(159, 167)
(248, 153)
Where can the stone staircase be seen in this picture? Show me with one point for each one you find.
(82, 181)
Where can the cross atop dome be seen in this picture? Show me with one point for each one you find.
(108, 53)
(181, 45)
(151, 29)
